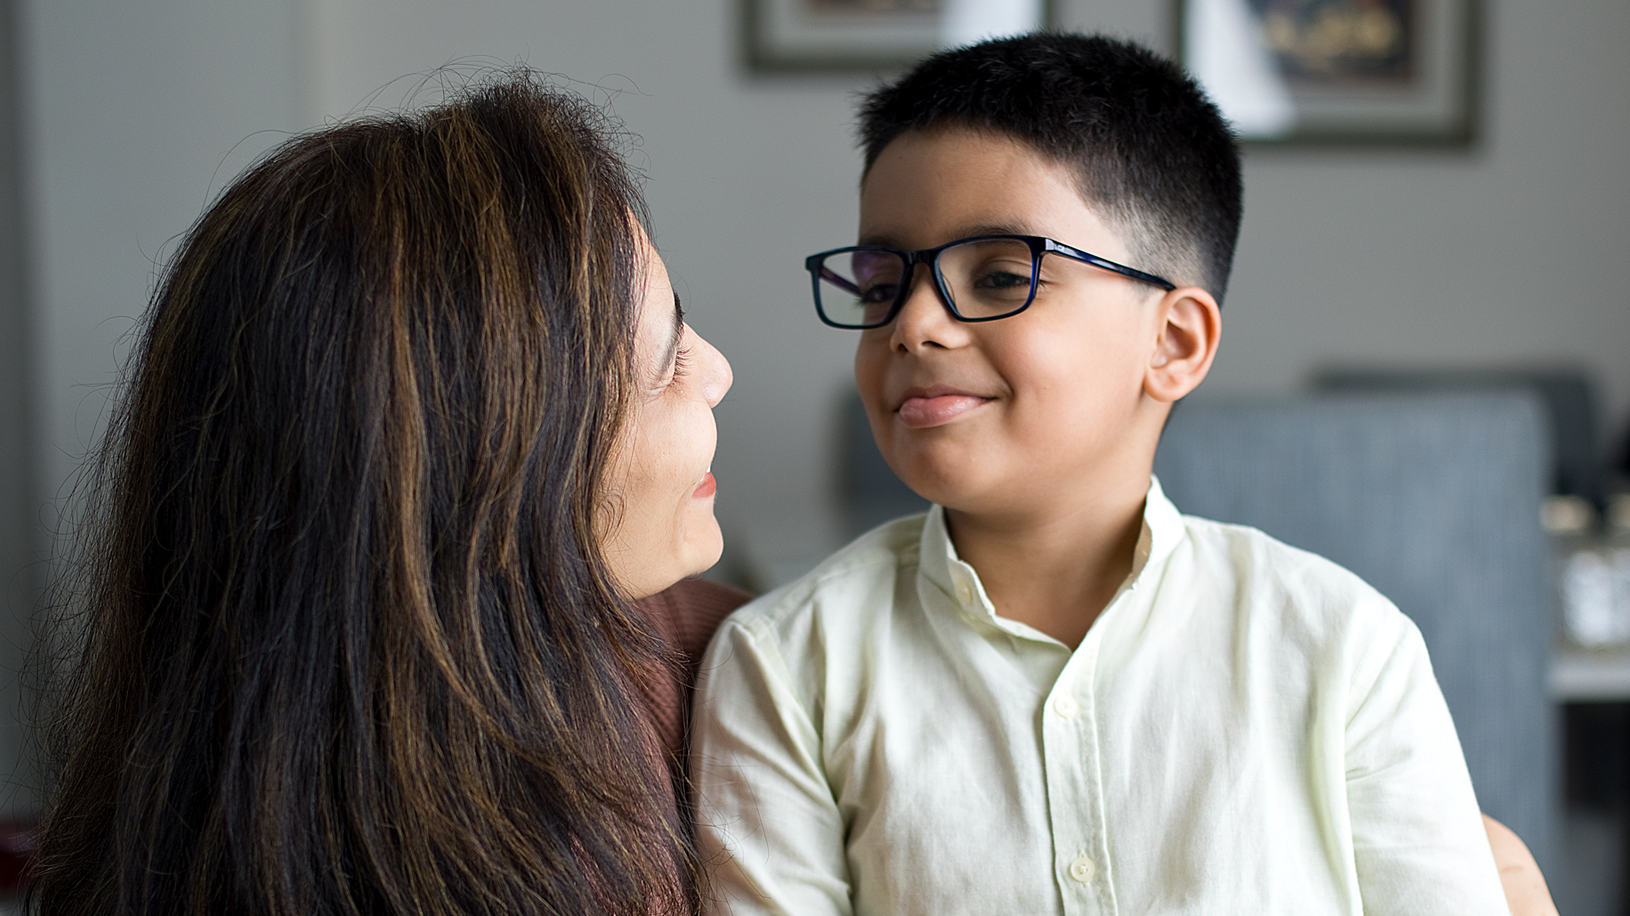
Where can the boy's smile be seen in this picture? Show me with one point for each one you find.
(1042, 409)
(921, 408)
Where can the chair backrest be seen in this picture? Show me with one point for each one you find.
(1568, 395)
(1433, 499)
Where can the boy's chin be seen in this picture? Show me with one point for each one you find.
(982, 483)
(959, 492)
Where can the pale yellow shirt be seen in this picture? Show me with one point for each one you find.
(1246, 729)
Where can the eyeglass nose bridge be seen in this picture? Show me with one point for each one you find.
(928, 258)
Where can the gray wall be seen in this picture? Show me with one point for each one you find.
(19, 492)
(1501, 255)
(138, 112)
(132, 114)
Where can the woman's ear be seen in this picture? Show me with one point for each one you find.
(1185, 345)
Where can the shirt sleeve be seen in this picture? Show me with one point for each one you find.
(1418, 840)
(768, 828)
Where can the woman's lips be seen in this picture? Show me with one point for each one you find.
(921, 411)
(707, 487)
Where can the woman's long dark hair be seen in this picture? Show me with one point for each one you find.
(347, 642)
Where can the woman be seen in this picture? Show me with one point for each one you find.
(413, 423)
(413, 418)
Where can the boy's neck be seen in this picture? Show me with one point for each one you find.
(1054, 571)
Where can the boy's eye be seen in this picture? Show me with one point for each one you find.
(992, 287)
(988, 276)
(997, 279)
(875, 301)
(877, 281)
(879, 293)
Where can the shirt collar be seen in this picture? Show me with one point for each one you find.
(939, 565)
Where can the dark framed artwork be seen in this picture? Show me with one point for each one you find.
(1374, 72)
(871, 35)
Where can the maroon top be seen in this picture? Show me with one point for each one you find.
(685, 615)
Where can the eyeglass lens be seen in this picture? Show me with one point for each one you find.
(986, 278)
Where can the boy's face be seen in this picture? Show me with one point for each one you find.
(1039, 411)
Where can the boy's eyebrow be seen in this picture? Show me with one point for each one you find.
(883, 240)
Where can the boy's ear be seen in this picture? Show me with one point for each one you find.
(1185, 344)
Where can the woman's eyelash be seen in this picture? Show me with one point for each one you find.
(681, 362)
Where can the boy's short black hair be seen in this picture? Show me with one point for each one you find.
(1150, 152)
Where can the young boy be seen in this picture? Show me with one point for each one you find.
(1054, 693)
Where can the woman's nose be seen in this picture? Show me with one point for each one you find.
(716, 374)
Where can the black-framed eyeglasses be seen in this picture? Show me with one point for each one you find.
(982, 278)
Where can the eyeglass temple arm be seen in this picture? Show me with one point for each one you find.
(1106, 264)
(838, 281)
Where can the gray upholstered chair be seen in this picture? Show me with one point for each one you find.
(1434, 499)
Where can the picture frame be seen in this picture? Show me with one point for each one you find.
(1339, 72)
(880, 36)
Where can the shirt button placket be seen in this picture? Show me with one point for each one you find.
(1070, 799)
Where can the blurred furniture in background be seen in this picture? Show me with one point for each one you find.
(1578, 676)
(1590, 668)
(1568, 395)
(1434, 499)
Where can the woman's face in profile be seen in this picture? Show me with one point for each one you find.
(660, 526)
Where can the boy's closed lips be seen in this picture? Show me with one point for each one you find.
(936, 405)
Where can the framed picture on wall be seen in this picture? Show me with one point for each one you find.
(1376, 72)
(874, 35)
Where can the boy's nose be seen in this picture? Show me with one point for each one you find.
(924, 318)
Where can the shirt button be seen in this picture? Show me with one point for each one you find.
(964, 592)
(1066, 706)
(1083, 869)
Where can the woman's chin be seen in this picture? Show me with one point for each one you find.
(696, 553)
(707, 549)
